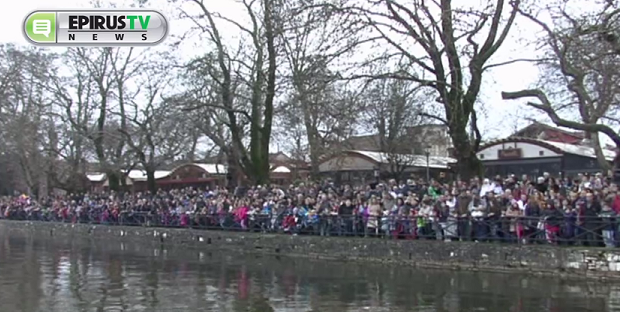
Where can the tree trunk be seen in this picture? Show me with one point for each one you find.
(114, 179)
(315, 174)
(312, 135)
(232, 175)
(123, 180)
(77, 182)
(151, 184)
(260, 164)
(598, 150)
(468, 164)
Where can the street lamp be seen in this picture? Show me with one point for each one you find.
(427, 153)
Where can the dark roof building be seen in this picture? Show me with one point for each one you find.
(541, 131)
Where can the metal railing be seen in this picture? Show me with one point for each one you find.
(556, 230)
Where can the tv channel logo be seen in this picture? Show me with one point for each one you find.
(103, 27)
(40, 27)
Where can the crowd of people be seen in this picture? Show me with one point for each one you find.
(574, 211)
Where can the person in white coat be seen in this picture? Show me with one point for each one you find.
(486, 187)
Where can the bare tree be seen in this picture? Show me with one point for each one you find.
(255, 65)
(393, 108)
(605, 26)
(157, 132)
(193, 150)
(325, 117)
(24, 105)
(581, 84)
(201, 100)
(447, 47)
(74, 108)
(317, 36)
(98, 87)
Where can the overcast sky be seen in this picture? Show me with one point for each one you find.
(501, 117)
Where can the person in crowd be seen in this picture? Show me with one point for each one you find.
(345, 212)
(552, 217)
(324, 212)
(588, 220)
(425, 218)
(375, 213)
(486, 187)
(512, 216)
(569, 228)
(495, 210)
(464, 201)
(608, 223)
(478, 210)
(531, 214)
(442, 213)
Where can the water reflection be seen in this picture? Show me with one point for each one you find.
(44, 274)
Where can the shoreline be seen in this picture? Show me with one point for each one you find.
(537, 260)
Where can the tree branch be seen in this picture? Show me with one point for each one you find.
(518, 60)
(435, 117)
(545, 106)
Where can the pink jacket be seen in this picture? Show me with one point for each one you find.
(241, 213)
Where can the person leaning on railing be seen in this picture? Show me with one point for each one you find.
(495, 209)
(463, 203)
(345, 213)
(513, 216)
(553, 220)
(588, 221)
(425, 220)
(531, 214)
(442, 214)
(569, 228)
(608, 223)
(375, 212)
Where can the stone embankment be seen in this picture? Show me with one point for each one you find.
(535, 259)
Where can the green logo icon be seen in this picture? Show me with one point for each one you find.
(40, 27)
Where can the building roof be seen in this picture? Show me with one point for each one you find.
(135, 175)
(550, 133)
(95, 177)
(208, 168)
(213, 168)
(140, 175)
(558, 147)
(581, 150)
(281, 169)
(408, 159)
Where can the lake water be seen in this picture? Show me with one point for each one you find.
(54, 275)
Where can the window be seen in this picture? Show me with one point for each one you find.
(541, 153)
(481, 156)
